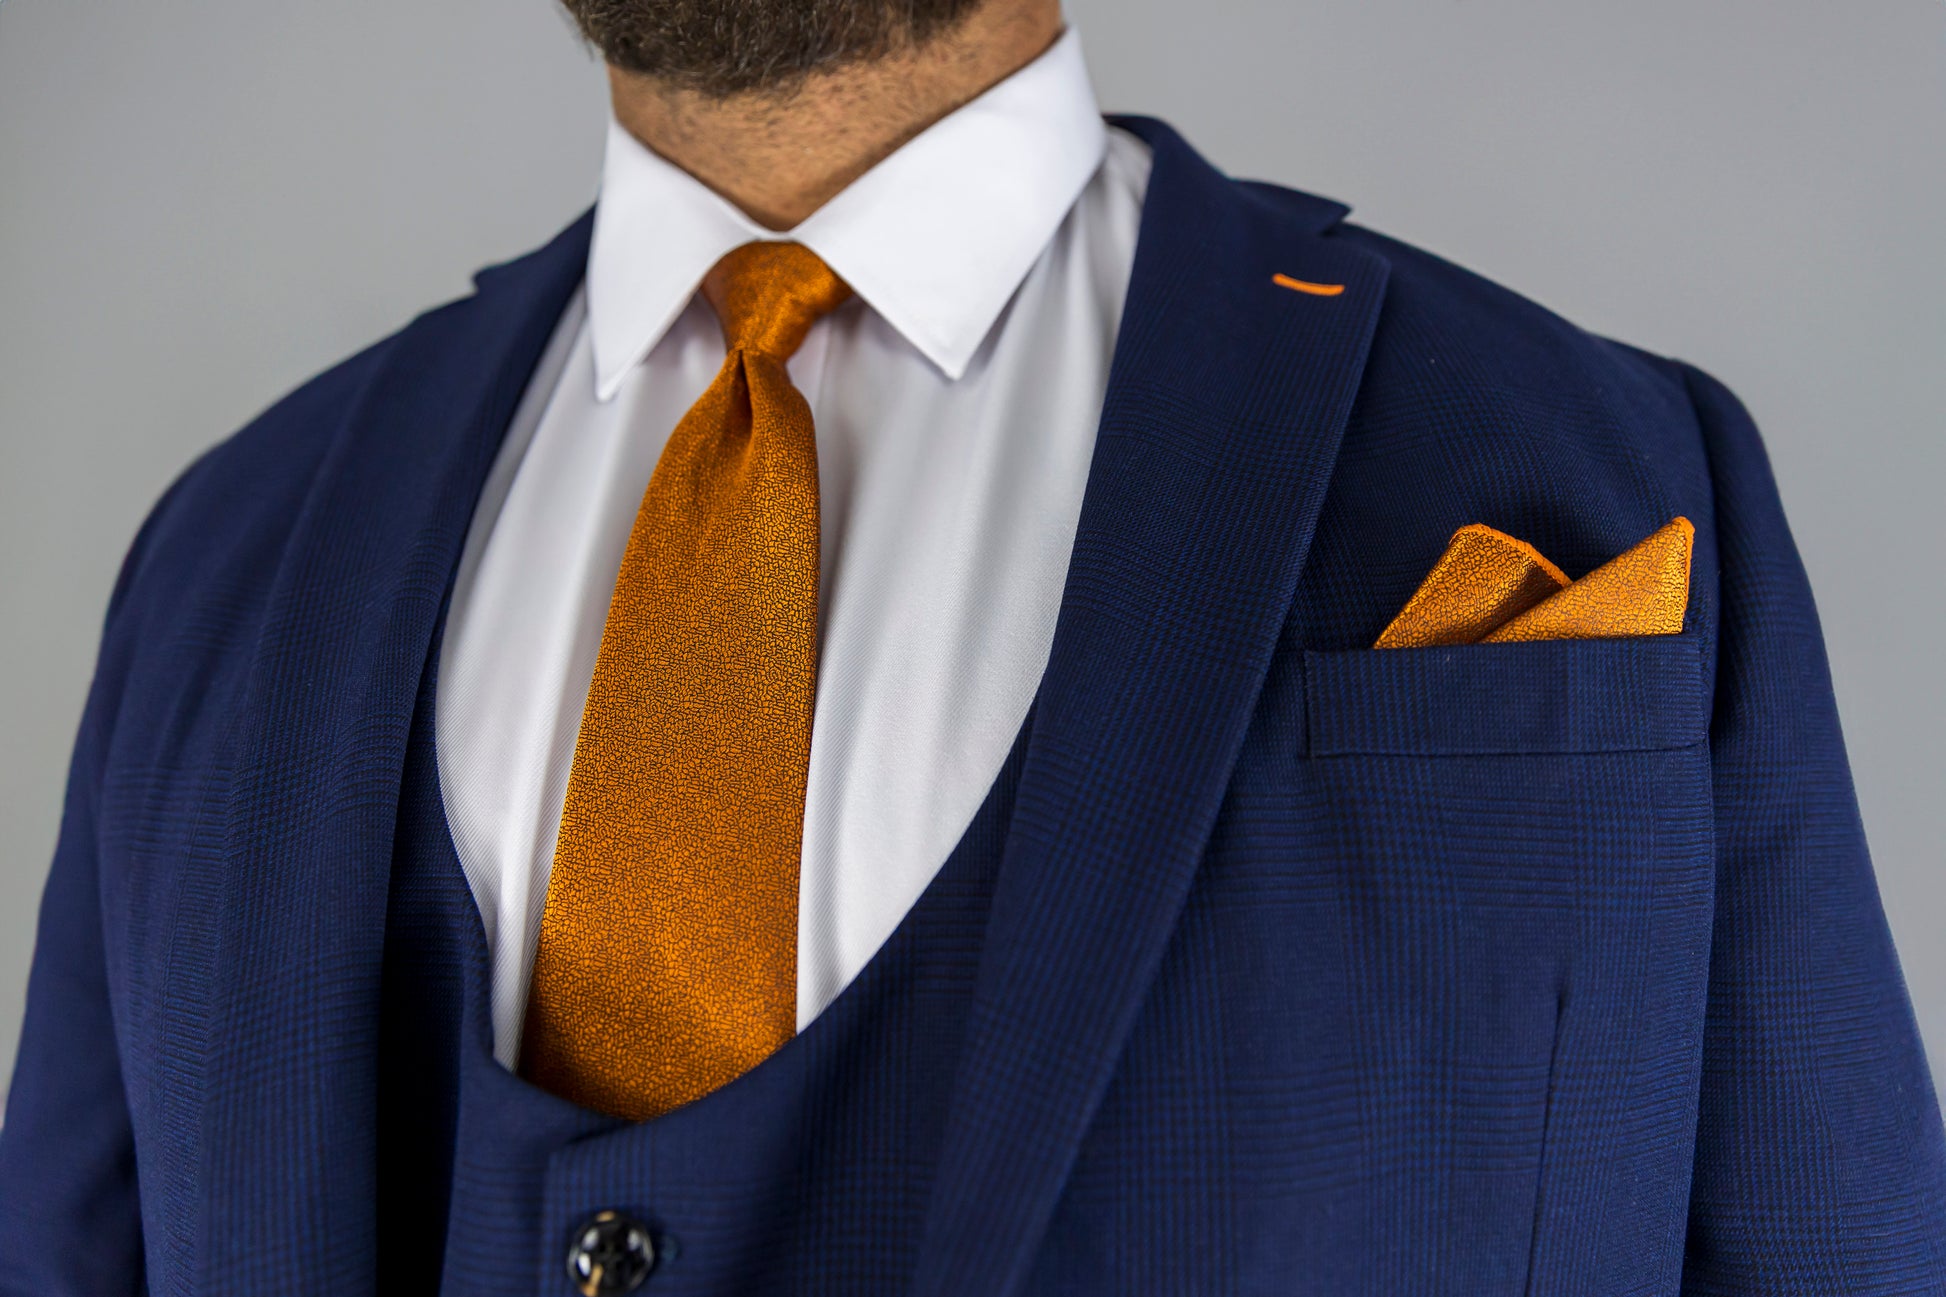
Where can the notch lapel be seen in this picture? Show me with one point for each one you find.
(287, 1122)
(1226, 403)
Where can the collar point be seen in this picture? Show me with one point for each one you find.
(609, 386)
(953, 367)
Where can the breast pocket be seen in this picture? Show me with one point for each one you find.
(1520, 845)
(1549, 795)
(1555, 697)
(1521, 806)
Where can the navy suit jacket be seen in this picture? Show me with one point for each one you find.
(1552, 967)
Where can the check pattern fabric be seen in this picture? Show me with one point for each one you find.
(667, 959)
(1551, 967)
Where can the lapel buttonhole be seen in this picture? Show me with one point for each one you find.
(1306, 286)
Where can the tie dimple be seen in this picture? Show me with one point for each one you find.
(667, 960)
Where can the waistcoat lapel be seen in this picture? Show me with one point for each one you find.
(288, 1124)
(1226, 402)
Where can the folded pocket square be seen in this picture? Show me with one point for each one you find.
(1489, 588)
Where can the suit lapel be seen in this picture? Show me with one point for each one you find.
(1226, 402)
(292, 1068)
(1225, 405)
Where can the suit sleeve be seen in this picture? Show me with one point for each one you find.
(1820, 1158)
(69, 1215)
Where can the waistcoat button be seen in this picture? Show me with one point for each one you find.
(612, 1253)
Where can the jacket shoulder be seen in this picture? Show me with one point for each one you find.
(1479, 405)
(232, 509)
(222, 529)
(1448, 330)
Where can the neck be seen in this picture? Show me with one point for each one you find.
(779, 157)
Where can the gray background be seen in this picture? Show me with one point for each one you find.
(202, 202)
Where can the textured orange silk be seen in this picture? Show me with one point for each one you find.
(1489, 588)
(667, 959)
(1483, 578)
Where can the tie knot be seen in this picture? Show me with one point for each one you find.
(768, 295)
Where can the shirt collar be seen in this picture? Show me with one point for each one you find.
(935, 238)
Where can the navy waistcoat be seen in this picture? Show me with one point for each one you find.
(803, 1167)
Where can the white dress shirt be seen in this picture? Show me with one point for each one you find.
(955, 399)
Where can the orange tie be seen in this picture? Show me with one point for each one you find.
(667, 960)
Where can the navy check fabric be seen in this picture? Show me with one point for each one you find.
(1529, 969)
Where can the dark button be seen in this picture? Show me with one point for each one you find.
(611, 1253)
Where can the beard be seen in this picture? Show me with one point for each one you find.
(720, 48)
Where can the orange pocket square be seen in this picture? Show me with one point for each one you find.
(1489, 588)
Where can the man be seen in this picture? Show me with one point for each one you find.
(938, 698)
